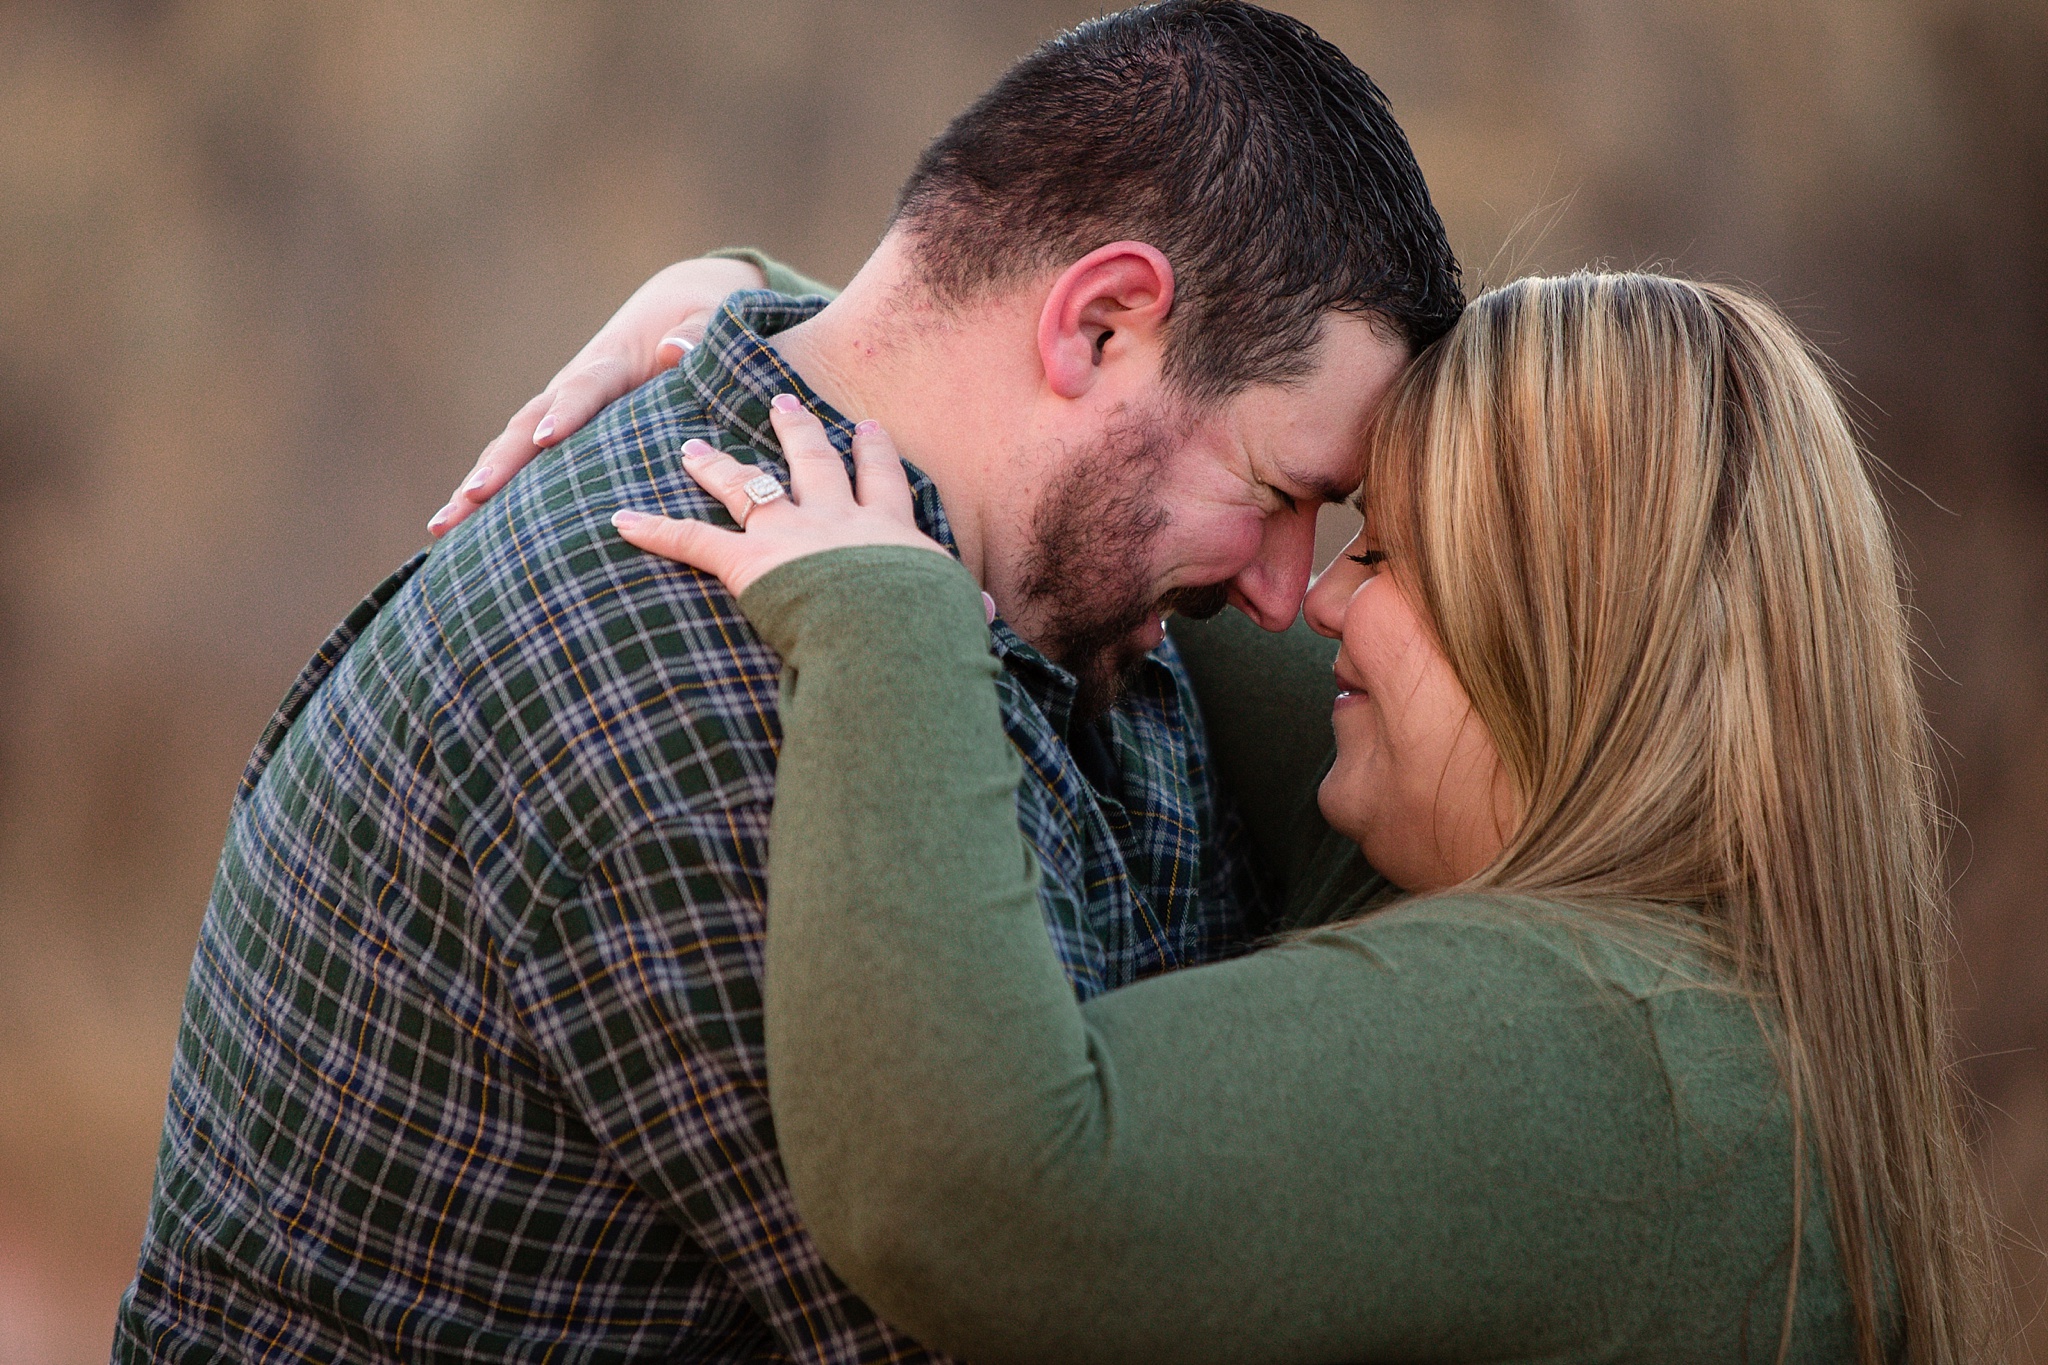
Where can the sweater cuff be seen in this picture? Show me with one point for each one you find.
(914, 604)
(780, 277)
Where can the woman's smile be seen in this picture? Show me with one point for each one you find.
(1350, 689)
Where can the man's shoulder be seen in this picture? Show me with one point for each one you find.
(539, 572)
(538, 644)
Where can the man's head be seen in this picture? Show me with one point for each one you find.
(1174, 256)
(1265, 166)
(1136, 503)
(1269, 176)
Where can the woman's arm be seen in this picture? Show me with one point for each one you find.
(1445, 1131)
(663, 318)
(1366, 1143)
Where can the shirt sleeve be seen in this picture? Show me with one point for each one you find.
(642, 993)
(1368, 1143)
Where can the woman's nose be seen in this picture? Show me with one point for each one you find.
(1324, 605)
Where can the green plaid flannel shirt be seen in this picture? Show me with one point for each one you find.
(471, 1060)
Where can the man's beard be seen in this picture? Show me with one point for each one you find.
(1088, 573)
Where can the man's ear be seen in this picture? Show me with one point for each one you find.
(1114, 298)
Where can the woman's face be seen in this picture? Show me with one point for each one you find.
(1417, 782)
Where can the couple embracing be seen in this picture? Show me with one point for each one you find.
(809, 871)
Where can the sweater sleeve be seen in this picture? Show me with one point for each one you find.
(1410, 1136)
(780, 277)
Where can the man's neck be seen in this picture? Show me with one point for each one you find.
(936, 386)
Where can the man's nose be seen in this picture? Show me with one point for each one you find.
(1270, 588)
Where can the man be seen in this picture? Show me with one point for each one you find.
(471, 1065)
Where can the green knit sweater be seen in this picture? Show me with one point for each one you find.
(1462, 1128)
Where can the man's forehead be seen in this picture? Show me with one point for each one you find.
(1357, 362)
(1308, 434)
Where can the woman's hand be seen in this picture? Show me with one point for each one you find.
(665, 317)
(821, 510)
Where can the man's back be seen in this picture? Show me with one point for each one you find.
(471, 1064)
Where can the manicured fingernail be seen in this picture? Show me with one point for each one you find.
(682, 344)
(988, 607)
(697, 450)
(475, 482)
(439, 521)
(786, 402)
(545, 429)
(867, 428)
(626, 518)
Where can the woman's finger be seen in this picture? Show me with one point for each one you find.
(879, 478)
(698, 544)
(508, 453)
(647, 335)
(671, 349)
(584, 390)
(817, 476)
(725, 478)
(779, 530)
(576, 394)
(627, 351)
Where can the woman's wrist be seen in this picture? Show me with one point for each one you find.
(856, 596)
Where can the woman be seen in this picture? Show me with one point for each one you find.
(1649, 1062)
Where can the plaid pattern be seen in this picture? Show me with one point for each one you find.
(471, 1062)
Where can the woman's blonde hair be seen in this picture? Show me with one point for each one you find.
(1634, 512)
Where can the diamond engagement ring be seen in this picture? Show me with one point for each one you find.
(761, 490)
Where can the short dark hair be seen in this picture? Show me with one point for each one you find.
(1266, 167)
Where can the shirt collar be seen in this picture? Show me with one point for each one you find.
(734, 372)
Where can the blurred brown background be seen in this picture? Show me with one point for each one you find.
(270, 275)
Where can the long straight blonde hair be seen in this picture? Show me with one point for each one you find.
(1634, 512)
